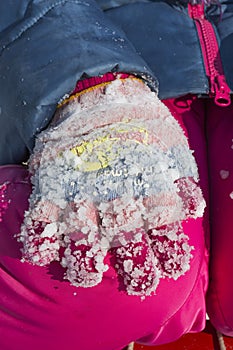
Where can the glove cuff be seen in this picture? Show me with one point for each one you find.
(88, 84)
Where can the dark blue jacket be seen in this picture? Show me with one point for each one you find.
(166, 37)
(47, 45)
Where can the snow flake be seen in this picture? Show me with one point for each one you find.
(224, 174)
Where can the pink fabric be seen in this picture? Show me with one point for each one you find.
(217, 124)
(220, 140)
(39, 310)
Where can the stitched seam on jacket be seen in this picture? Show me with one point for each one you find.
(32, 21)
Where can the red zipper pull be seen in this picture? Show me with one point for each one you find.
(221, 91)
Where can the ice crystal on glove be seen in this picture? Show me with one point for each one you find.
(114, 175)
(85, 264)
(41, 242)
(170, 246)
(137, 266)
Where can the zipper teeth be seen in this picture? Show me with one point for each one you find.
(213, 66)
(218, 87)
(207, 34)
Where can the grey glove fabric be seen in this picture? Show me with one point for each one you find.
(45, 47)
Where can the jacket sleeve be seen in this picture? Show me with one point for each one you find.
(10, 12)
(45, 47)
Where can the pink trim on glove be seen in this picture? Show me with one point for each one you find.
(90, 82)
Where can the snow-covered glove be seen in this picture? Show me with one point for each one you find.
(112, 174)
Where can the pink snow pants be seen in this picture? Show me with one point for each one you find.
(211, 138)
(39, 310)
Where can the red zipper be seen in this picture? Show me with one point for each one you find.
(219, 89)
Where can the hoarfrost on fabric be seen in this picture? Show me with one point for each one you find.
(113, 175)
